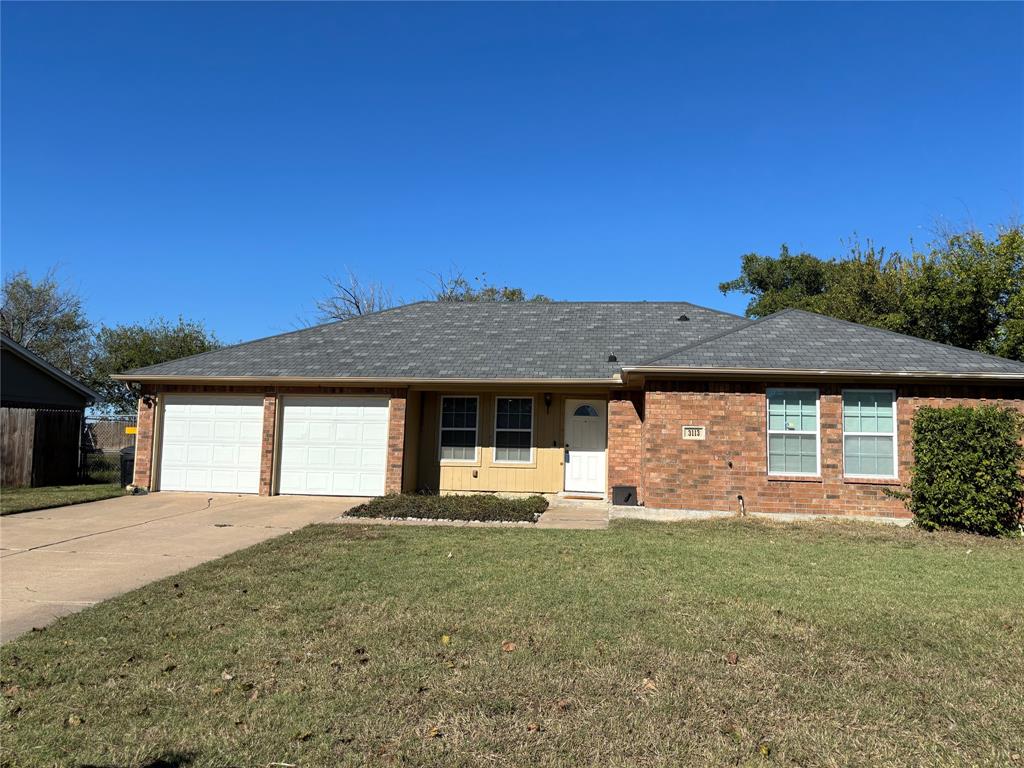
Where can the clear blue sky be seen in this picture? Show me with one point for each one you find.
(216, 161)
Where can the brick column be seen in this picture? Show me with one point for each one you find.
(396, 442)
(268, 445)
(143, 477)
(625, 423)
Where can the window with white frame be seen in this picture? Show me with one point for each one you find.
(869, 433)
(513, 430)
(458, 428)
(793, 432)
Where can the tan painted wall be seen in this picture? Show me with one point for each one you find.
(544, 475)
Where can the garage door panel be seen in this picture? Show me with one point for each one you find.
(334, 445)
(211, 443)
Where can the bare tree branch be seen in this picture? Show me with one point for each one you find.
(350, 297)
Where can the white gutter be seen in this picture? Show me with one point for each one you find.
(350, 380)
(792, 373)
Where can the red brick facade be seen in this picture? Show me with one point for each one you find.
(625, 440)
(396, 443)
(269, 444)
(271, 395)
(144, 444)
(712, 474)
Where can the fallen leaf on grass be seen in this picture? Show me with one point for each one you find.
(446, 640)
(563, 705)
(435, 733)
(225, 675)
(648, 685)
(74, 720)
(732, 658)
(533, 728)
(509, 647)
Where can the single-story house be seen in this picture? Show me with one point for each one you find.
(41, 415)
(694, 408)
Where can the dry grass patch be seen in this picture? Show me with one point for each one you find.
(687, 644)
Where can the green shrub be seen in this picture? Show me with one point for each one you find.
(966, 472)
(474, 507)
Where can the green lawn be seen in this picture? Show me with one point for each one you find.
(690, 644)
(26, 499)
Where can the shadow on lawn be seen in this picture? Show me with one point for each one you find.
(169, 760)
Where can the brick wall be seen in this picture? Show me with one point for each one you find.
(396, 428)
(269, 444)
(625, 440)
(143, 476)
(396, 443)
(732, 460)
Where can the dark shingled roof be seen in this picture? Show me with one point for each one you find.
(486, 340)
(573, 340)
(796, 340)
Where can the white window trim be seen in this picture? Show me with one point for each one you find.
(533, 410)
(895, 435)
(476, 430)
(769, 432)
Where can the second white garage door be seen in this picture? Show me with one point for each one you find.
(334, 446)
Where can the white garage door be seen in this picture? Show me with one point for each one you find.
(211, 443)
(334, 446)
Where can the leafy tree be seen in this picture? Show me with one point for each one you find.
(124, 347)
(47, 319)
(966, 289)
(350, 297)
(454, 287)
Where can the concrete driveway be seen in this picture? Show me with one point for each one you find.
(58, 561)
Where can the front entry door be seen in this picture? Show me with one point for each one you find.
(585, 441)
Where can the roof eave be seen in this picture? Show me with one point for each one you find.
(351, 380)
(792, 373)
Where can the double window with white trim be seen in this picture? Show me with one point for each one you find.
(793, 432)
(869, 433)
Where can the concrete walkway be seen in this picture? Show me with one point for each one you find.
(576, 515)
(58, 561)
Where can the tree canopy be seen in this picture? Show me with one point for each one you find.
(47, 319)
(121, 348)
(965, 289)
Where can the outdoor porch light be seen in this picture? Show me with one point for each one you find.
(547, 402)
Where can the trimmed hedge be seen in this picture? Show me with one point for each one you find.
(966, 474)
(483, 507)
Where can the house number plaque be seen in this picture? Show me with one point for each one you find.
(693, 433)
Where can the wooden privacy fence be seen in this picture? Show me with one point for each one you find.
(39, 447)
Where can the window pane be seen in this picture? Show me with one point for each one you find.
(513, 440)
(792, 454)
(585, 410)
(512, 454)
(458, 437)
(868, 411)
(868, 455)
(794, 410)
(458, 453)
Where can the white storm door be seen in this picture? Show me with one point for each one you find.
(585, 442)
(211, 443)
(334, 446)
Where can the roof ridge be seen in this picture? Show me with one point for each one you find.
(713, 337)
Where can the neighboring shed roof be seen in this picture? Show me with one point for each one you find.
(486, 341)
(571, 341)
(803, 341)
(31, 358)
